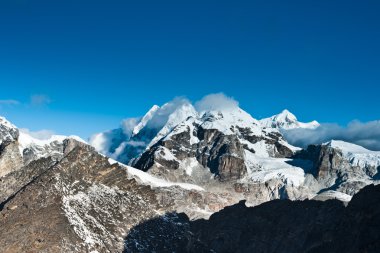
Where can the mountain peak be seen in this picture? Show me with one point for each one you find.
(6, 123)
(287, 116)
(286, 120)
(144, 120)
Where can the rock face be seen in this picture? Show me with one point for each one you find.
(342, 166)
(218, 141)
(276, 226)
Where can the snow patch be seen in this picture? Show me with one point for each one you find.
(148, 179)
(263, 169)
(357, 155)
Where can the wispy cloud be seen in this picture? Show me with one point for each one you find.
(39, 100)
(43, 134)
(9, 102)
(366, 134)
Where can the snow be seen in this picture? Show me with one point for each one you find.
(223, 120)
(287, 120)
(6, 123)
(165, 154)
(26, 140)
(148, 116)
(334, 195)
(148, 179)
(75, 204)
(189, 164)
(263, 169)
(178, 116)
(357, 155)
(186, 126)
(42, 146)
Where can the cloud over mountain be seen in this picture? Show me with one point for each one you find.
(366, 134)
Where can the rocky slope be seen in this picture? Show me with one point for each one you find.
(342, 166)
(276, 226)
(90, 201)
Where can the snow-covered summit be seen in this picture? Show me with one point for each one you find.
(171, 118)
(224, 120)
(357, 155)
(33, 147)
(287, 120)
(180, 114)
(8, 131)
(147, 117)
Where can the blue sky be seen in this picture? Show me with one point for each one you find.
(79, 67)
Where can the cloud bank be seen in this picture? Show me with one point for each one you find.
(366, 134)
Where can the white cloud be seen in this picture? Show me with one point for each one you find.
(161, 116)
(39, 100)
(43, 134)
(215, 102)
(128, 124)
(9, 102)
(366, 134)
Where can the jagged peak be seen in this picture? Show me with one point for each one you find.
(144, 120)
(6, 123)
(286, 115)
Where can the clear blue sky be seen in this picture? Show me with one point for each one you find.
(93, 63)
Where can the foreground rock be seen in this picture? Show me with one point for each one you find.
(276, 226)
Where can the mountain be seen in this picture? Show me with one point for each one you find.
(287, 120)
(226, 148)
(136, 134)
(66, 197)
(185, 160)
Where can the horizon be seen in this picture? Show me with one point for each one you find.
(71, 67)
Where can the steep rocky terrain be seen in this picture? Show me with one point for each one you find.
(76, 200)
(61, 195)
(342, 166)
(225, 149)
(276, 226)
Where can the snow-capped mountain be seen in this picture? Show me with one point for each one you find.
(73, 199)
(19, 148)
(287, 120)
(226, 147)
(135, 135)
(185, 160)
(177, 135)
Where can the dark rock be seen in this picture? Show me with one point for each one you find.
(276, 226)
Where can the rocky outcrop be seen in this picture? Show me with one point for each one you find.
(338, 169)
(276, 226)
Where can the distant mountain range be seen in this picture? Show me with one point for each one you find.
(66, 195)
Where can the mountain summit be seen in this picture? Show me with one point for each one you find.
(287, 120)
